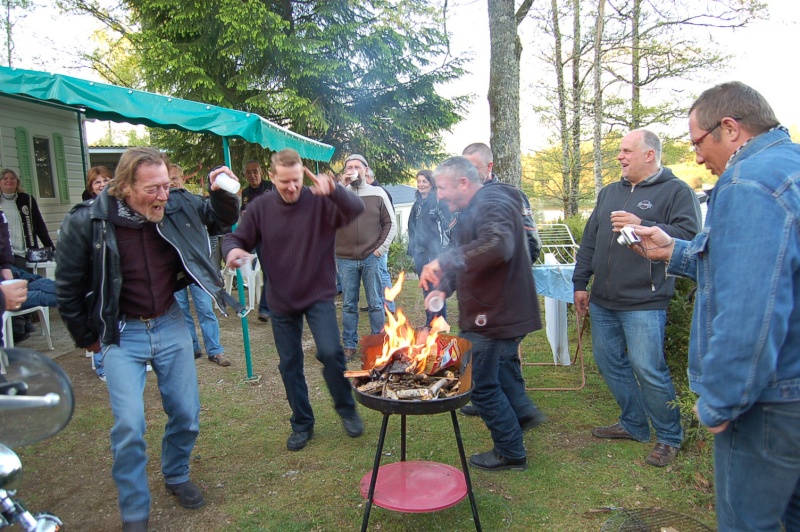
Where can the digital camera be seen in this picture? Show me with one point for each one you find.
(627, 237)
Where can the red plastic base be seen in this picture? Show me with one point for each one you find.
(416, 486)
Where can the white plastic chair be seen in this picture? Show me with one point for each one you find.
(254, 282)
(44, 321)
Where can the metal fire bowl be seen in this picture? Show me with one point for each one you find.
(371, 348)
(411, 408)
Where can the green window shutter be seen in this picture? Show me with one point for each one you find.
(24, 157)
(61, 168)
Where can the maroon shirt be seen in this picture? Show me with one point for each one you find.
(150, 267)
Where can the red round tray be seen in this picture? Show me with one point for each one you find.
(416, 486)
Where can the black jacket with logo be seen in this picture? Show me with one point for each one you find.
(624, 280)
(489, 265)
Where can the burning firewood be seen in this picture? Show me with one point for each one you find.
(409, 387)
(371, 387)
(352, 374)
(406, 363)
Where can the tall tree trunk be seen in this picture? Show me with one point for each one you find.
(561, 90)
(9, 40)
(597, 133)
(504, 91)
(636, 103)
(575, 166)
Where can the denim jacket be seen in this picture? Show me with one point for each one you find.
(745, 341)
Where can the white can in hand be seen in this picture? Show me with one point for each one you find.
(435, 304)
(227, 183)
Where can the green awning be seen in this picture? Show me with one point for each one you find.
(120, 104)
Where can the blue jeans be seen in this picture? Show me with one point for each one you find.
(165, 343)
(287, 329)
(386, 279)
(499, 391)
(352, 274)
(628, 349)
(209, 326)
(757, 469)
(41, 293)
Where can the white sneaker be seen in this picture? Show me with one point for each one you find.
(88, 354)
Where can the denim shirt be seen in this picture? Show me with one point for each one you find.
(745, 341)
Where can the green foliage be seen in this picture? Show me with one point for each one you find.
(576, 224)
(399, 260)
(678, 328)
(544, 177)
(360, 76)
(676, 352)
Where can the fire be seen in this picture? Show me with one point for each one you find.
(391, 293)
(419, 346)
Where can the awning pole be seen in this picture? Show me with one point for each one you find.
(226, 150)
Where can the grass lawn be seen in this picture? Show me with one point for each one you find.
(252, 482)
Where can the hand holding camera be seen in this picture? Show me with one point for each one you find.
(628, 237)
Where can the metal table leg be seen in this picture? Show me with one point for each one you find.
(375, 467)
(465, 467)
(403, 438)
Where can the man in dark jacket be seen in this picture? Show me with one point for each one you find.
(120, 260)
(630, 295)
(488, 264)
(481, 156)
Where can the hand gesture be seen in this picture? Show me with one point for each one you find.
(431, 275)
(324, 185)
(237, 257)
(656, 245)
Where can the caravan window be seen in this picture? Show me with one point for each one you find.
(44, 167)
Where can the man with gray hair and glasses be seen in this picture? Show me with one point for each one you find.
(630, 296)
(744, 354)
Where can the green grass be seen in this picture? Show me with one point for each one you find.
(253, 483)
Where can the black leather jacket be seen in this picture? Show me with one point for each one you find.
(88, 280)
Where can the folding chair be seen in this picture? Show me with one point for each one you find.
(253, 282)
(582, 323)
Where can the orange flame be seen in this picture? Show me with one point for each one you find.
(391, 293)
(400, 334)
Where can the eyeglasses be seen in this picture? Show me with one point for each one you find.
(154, 189)
(696, 143)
